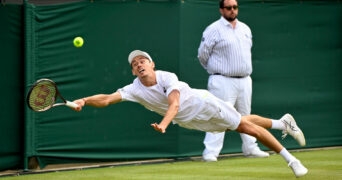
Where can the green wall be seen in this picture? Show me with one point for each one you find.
(12, 85)
(297, 53)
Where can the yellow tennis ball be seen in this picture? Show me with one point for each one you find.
(78, 42)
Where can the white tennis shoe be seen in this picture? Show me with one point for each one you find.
(256, 153)
(298, 168)
(292, 129)
(209, 158)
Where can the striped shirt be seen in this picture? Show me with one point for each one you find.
(226, 50)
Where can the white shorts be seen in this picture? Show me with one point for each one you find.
(215, 116)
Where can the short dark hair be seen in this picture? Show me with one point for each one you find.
(221, 3)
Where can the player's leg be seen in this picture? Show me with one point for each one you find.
(257, 131)
(267, 139)
(287, 124)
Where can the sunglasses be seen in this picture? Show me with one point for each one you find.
(235, 7)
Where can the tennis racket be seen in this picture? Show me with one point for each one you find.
(43, 96)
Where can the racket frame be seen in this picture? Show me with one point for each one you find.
(57, 94)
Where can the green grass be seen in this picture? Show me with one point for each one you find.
(322, 164)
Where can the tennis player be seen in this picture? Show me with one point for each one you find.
(163, 93)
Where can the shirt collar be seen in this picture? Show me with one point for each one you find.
(227, 23)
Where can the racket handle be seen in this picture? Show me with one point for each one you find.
(71, 104)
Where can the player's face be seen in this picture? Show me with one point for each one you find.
(142, 66)
(230, 10)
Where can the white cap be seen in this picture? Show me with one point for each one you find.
(136, 53)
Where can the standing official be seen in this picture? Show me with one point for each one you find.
(225, 53)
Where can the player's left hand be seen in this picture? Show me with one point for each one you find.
(158, 128)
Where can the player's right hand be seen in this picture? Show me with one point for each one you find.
(80, 103)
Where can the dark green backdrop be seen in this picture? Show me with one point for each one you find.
(297, 54)
(12, 86)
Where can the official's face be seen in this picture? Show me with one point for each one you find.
(230, 10)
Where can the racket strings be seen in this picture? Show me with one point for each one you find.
(42, 96)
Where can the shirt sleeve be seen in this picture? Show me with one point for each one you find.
(127, 93)
(208, 41)
(170, 82)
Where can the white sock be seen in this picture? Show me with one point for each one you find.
(277, 124)
(287, 155)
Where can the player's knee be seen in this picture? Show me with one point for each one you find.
(248, 128)
(250, 117)
(243, 126)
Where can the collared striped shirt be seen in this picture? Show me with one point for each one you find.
(226, 50)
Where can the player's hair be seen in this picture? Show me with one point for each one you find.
(221, 3)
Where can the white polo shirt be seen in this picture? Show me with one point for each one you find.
(196, 108)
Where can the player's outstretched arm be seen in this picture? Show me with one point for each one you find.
(173, 101)
(98, 100)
